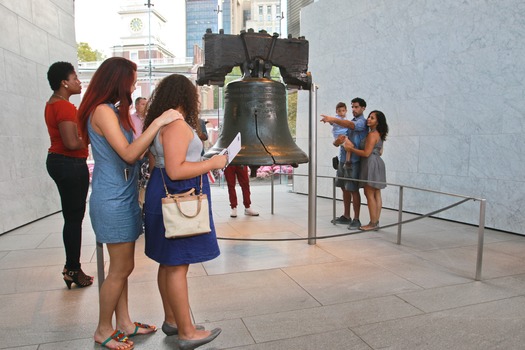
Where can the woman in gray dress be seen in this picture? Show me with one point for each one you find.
(372, 165)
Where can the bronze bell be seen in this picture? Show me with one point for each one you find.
(256, 107)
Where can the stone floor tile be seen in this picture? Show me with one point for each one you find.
(340, 282)
(448, 297)
(334, 340)
(463, 261)
(15, 242)
(222, 297)
(486, 326)
(308, 321)
(419, 271)
(250, 256)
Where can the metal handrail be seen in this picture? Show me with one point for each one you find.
(400, 222)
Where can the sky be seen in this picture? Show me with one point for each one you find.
(98, 23)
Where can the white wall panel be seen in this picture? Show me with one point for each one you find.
(35, 33)
(450, 78)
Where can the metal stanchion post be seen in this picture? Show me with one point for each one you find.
(481, 234)
(333, 200)
(400, 214)
(100, 264)
(312, 167)
(272, 192)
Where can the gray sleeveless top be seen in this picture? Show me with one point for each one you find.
(192, 155)
(377, 148)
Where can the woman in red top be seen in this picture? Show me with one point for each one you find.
(66, 164)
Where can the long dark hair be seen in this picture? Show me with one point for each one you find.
(174, 91)
(382, 126)
(111, 83)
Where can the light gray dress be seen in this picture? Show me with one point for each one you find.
(373, 168)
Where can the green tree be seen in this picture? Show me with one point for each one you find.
(86, 54)
(292, 112)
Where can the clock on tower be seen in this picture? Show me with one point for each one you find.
(136, 25)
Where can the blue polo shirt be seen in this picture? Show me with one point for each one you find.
(338, 129)
(356, 136)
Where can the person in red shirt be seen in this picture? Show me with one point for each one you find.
(66, 164)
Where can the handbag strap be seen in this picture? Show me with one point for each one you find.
(161, 174)
(166, 188)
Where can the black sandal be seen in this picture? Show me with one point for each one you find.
(78, 277)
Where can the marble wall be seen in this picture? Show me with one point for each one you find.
(35, 33)
(450, 78)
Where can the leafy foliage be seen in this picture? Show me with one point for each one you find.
(86, 54)
(292, 111)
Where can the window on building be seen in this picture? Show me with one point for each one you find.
(260, 9)
(134, 56)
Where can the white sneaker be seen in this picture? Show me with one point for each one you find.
(250, 212)
(233, 213)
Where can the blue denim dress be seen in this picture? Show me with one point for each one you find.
(113, 206)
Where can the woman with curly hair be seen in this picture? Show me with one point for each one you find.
(176, 155)
(372, 165)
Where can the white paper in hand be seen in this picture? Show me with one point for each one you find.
(233, 148)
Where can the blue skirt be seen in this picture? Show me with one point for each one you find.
(180, 251)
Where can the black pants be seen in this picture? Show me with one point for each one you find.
(71, 176)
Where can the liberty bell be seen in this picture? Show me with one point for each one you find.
(255, 105)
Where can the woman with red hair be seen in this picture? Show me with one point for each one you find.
(113, 206)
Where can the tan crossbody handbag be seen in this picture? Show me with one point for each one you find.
(185, 214)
